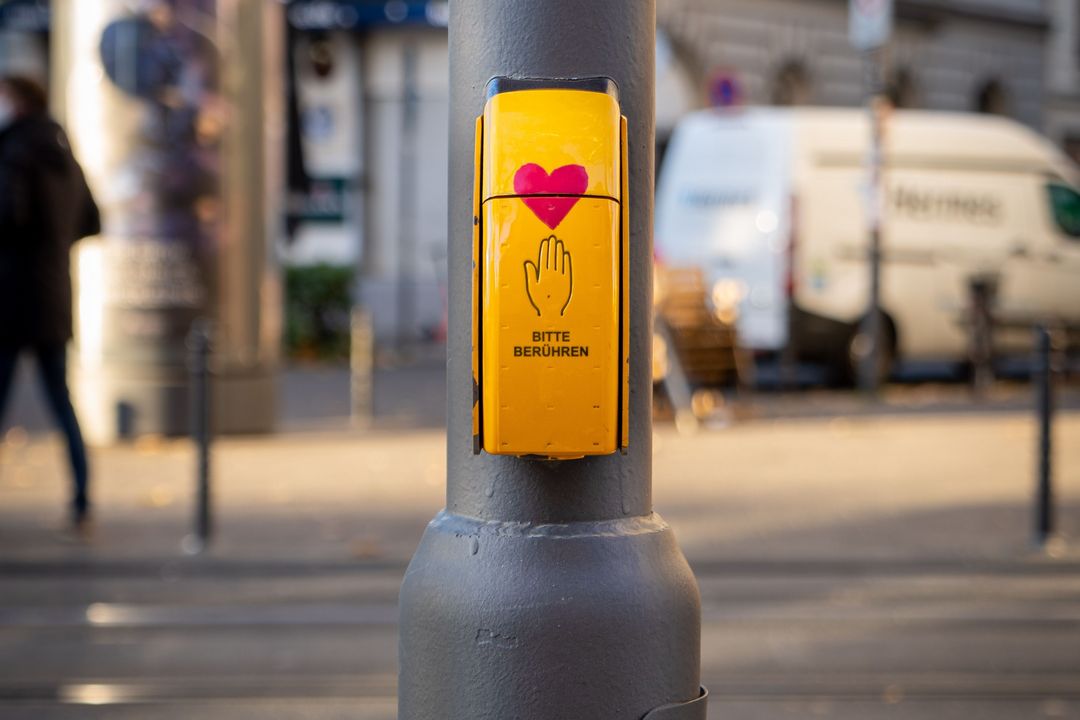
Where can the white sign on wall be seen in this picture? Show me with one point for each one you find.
(870, 23)
(328, 89)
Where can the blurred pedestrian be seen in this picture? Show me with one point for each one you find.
(45, 206)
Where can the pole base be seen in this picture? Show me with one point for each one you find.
(696, 709)
(193, 545)
(533, 622)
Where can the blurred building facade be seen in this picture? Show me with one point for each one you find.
(1063, 76)
(959, 55)
(24, 33)
(374, 103)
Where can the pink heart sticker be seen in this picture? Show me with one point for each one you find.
(550, 197)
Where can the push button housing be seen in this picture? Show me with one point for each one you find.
(550, 325)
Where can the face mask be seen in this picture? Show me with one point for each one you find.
(7, 112)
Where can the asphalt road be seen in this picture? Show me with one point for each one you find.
(919, 642)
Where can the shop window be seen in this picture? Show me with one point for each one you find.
(992, 98)
(1072, 147)
(321, 56)
(902, 89)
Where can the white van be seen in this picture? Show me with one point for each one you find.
(770, 204)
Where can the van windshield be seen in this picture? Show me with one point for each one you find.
(723, 208)
(722, 192)
(1065, 206)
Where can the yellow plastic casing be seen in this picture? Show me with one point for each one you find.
(550, 276)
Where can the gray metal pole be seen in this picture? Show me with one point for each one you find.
(199, 347)
(871, 330)
(407, 206)
(1044, 403)
(549, 589)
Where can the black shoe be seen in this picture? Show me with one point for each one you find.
(82, 526)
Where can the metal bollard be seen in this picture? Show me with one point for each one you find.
(361, 367)
(983, 292)
(1044, 403)
(676, 383)
(199, 346)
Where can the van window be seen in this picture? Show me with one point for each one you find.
(1065, 203)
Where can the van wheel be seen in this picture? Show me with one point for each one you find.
(856, 347)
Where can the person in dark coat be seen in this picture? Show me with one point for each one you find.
(45, 206)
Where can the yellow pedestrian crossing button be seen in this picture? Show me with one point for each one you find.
(550, 282)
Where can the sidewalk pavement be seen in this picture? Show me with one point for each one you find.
(865, 491)
(412, 395)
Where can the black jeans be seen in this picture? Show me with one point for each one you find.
(52, 368)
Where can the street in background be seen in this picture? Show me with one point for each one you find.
(766, 203)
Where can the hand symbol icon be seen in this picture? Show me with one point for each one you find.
(549, 282)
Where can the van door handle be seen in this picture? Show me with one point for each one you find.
(1053, 258)
(1018, 251)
